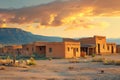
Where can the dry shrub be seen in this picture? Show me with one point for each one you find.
(31, 61)
(74, 61)
(7, 61)
(2, 67)
(108, 62)
(98, 59)
(71, 68)
(117, 62)
(49, 59)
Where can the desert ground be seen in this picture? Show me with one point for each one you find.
(62, 69)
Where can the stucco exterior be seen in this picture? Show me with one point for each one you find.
(11, 49)
(53, 49)
(69, 48)
(97, 45)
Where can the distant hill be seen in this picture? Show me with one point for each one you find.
(18, 36)
(116, 40)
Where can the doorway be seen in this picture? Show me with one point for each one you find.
(98, 48)
(74, 52)
(112, 49)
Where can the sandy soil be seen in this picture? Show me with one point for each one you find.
(61, 69)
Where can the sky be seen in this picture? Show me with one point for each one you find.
(63, 18)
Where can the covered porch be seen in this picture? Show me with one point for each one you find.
(89, 49)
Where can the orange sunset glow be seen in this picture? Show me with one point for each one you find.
(65, 17)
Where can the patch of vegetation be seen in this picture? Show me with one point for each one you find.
(108, 62)
(74, 61)
(71, 68)
(117, 62)
(31, 61)
(93, 55)
(98, 59)
(2, 67)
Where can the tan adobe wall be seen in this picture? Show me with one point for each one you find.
(102, 47)
(17, 46)
(111, 48)
(100, 38)
(100, 43)
(89, 40)
(72, 49)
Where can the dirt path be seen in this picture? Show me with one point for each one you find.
(61, 69)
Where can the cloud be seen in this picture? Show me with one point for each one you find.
(63, 13)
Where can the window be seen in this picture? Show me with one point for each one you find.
(50, 50)
(108, 47)
(27, 49)
(40, 49)
(77, 49)
(68, 49)
(32, 49)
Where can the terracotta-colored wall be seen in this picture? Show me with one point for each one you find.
(28, 49)
(40, 47)
(58, 50)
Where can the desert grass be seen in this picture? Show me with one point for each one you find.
(31, 61)
(108, 62)
(117, 62)
(74, 61)
(2, 68)
(98, 59)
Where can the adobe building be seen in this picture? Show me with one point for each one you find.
(27, 49)
(54, 49)
(97, 45)
(11, 49)
(63, 49)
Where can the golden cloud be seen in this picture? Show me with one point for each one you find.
(63, 13)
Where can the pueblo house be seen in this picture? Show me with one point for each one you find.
(69, 48)
(97, 45)
(53, 49)
(11, 49)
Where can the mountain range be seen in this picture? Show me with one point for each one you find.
(18, 36)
